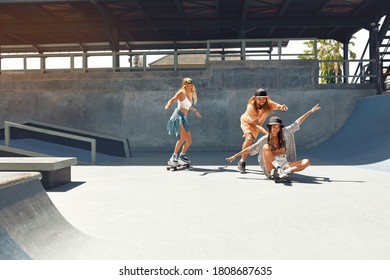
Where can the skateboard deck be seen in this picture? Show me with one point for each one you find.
(178, 167)
(285, 180)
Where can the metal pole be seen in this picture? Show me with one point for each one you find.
(375, 67)
(346, 62)
(93, 151)
(378, 61)
(6, 134)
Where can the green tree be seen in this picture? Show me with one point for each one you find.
(328, 49)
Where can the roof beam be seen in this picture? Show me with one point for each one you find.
(44, 1)
(183, 24)
(218, 11)
(245, 9)
(146, 15)
(33, 45)
(109, 28)
(362, 7)
(241, 33)
(179, 8)
(316, 15)
(280, 14)
(250, 23)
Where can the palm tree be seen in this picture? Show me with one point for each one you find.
(331, 51)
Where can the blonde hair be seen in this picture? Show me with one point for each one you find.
(193, 95)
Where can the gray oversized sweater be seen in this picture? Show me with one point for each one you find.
(288, 136)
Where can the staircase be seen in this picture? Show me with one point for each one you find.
(363, 70)
(384, 57)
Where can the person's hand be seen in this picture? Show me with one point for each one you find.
(231, 159)
(283, 108)
(315, 108)
(167, 106)
(197, 113)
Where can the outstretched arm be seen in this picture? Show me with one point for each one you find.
(242, 152)
(302, 118)
(277, 106)
(282, 107)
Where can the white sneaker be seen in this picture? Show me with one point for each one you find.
(281, 174)
(272, 174)
(173, 161)
(183, 159)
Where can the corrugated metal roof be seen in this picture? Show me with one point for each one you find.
(91, 25)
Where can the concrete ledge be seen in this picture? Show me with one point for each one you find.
(55, 170)
(12, 178)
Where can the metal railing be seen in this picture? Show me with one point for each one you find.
(93, 135)
(7, 136)
(174, 60)
(345, 76)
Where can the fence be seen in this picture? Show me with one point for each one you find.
(176, 60)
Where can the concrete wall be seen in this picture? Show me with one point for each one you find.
(132, 104)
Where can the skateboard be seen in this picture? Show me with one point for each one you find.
(285, 180)
(181, 166)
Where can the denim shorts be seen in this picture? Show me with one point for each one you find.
(282, 160)
(174, 122)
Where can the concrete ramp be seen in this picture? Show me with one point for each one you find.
(9, 250)
(31, 227)
(363, 140)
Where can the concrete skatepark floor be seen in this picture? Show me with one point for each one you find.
(214, 212)
(338, 208)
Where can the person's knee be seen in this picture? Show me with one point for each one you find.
(306, 163)
(182, 139)
(267, 154)
(266, 148)
(249, 138)
(187, 138)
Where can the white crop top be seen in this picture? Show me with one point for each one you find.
(185, 104)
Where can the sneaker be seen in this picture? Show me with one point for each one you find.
(241, 166)
(281, 174)
(272, 174)
(173, 161)
(183, 159)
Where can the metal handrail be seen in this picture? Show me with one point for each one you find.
(207, 50)
(238, 49)
(126, 145)
(7, 136)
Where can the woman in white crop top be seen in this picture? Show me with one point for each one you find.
(178, 123)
